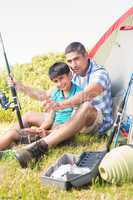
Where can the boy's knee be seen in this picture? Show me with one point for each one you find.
(27, 116)
(13, 134)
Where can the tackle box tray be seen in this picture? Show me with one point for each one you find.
(87, 162)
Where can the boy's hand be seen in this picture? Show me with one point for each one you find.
(37, 131)
(32, 131)
(42, 132)
(11, 81)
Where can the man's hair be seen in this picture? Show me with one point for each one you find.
(57, 69)
(75, 47)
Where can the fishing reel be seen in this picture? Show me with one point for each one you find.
(4, 101)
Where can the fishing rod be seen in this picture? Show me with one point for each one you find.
(4, 101)
(12, 87)
(121, 111)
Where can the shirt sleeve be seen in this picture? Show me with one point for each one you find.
(101, 77)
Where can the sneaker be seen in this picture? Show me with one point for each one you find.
(24, 156)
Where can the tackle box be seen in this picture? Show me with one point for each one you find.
(80, 170)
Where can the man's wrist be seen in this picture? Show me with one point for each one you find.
(66, 104)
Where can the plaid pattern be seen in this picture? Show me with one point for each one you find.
(103, 102)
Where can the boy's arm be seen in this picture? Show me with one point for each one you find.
(32, 92)
(49, 122)
(42, 130)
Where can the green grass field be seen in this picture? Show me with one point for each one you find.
(17, 183)
(24, 184)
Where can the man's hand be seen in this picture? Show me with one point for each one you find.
(52, 105)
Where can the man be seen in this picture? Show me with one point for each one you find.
(94, 113)
(96, 85)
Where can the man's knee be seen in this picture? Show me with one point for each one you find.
(94, 126)
(88, 113)
(88, 110)
(84, 106)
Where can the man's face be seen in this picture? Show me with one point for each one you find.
(63, 82)
(77, 62)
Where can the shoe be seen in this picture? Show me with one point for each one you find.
(24, 156)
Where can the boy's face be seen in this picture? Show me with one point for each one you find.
(77, 62)
(63, 82)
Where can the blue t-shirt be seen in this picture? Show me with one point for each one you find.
(61, 116)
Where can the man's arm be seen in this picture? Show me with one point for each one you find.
(100, 82)
(87, 94)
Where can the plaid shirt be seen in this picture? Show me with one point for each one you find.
(98, 74)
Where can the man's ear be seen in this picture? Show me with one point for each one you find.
(70, 75)
(86, 54)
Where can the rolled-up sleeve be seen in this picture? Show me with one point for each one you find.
(101, 77)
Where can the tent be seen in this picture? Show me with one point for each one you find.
(114, 50)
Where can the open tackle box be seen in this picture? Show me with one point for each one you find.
(73, 170)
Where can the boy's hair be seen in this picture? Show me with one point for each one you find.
(75, 46)
(57, 69)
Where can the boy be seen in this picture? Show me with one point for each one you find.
(60, 74)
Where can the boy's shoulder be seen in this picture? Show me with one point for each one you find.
(55, 90)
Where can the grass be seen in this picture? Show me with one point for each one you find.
(24, 184)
